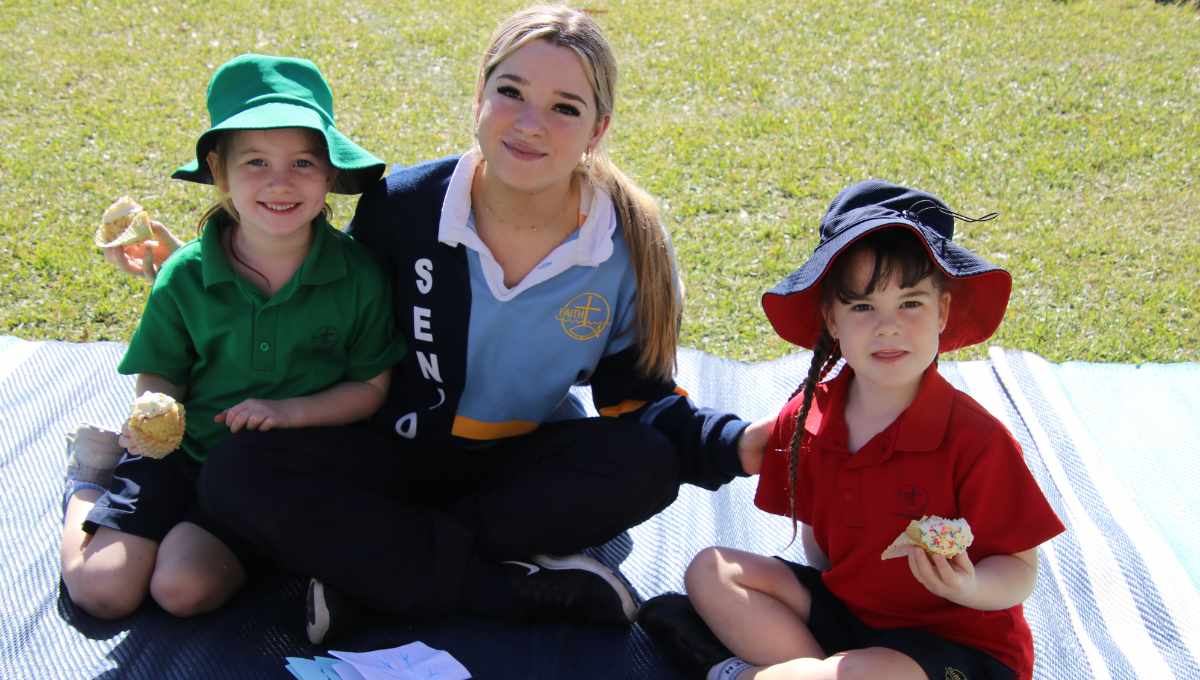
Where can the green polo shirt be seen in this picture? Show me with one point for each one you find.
(208, 329)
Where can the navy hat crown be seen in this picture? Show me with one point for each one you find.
(874, 199)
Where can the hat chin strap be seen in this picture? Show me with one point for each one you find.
(913, 209)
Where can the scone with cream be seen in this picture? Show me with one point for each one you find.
(124, 223)
(155, 425)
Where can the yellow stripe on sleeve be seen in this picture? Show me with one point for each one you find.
(627, 406)
(631, 405)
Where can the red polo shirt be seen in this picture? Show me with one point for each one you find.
(944, 455)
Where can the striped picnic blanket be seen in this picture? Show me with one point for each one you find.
(1112, 446)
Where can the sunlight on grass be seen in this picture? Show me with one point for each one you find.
(1075, 120)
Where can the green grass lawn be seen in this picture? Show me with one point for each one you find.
(1077, 121)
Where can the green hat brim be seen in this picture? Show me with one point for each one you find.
(357, 168)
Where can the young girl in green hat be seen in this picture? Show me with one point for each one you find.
(270, 319)
(864, 448)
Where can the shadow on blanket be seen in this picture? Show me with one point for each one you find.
(1114, 598)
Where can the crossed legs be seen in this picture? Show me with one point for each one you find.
(758, 608)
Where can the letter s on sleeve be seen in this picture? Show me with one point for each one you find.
(424, 269)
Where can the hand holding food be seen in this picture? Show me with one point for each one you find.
(155, 425)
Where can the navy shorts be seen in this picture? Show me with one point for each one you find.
(149, 496)
(836, 629)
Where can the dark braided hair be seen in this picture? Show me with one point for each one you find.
(897, 252)
(826, 354)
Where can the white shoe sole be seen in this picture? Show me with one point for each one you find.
(316, 622)
(629, 606)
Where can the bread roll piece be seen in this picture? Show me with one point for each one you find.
(937, 535)
(155, 425)
(124, 223)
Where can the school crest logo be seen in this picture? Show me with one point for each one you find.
(585, 316)
(324, 338)
(911, 500)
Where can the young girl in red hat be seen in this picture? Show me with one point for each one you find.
(864, 448)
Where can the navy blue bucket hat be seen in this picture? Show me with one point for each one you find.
(979, 289)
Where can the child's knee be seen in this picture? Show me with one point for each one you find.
(103, 598)
(874, 662)
(705, 571)
(184, 593)
(107, 581)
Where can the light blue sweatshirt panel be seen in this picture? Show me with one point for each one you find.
(524, 354)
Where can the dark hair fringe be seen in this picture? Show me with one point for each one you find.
(897, 251)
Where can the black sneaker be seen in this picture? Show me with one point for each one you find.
(571, 588)
(328, 613)
(672, 622)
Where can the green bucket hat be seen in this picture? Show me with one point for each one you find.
(258, 92)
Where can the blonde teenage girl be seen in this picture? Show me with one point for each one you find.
(523, 267)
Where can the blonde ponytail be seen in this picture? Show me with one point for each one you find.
(659, 290)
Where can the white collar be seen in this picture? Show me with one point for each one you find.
(589, 246)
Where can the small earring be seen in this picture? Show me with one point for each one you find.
(587, 159)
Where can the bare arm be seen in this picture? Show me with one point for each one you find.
(343, 403)
(752, 444)
(997, 582)
(152, 382)
(1004, 580)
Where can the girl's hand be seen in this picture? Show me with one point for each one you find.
(125, 440)
(145, 258)
(752, 444)
(255, 414)
(953, 579)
